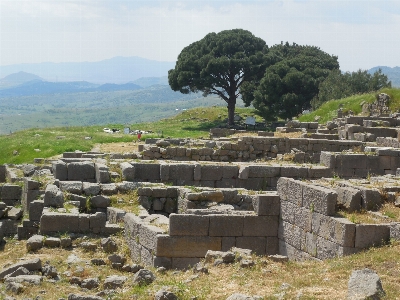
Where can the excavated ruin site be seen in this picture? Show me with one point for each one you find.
(273, 195)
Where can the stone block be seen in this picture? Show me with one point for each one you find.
(53, 197)
(227, 243)
(326, 249)
(303, 218)
(90, 189)
(115, 215)
(328, 159)
(127, 171)
(368, 235)
(11, 192)
(28, 197)
(97, 221)
(74, 187)
(226, 183)
(255, 243)
(184, 263)
(9, 227)
(36, 210)
(148, 236)
(100, 201)
(294, 191)
(292, 234)
(319, 199)
(3, 171)
(83, 171)
(184, 246)
(338, 230)
(226, 225)
(84, 223)
(292, 253)
(52, 222)
(348, 198)
(230, 172)
(282, 188)
(181, 171)
(30, 184)
(108, 188)
(288, 211)
(260, 171)
(294, 171)
(211, 172)
(260, 226)
(60, 170)
(159, 192)
(102, 173)
(244, 172)
(190, 225)
(371, 198)
(267, 204)
(272, 245)
(165, 262)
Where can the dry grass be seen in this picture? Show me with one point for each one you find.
(312, 280)
(118, 147)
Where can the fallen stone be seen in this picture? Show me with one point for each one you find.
(165, 295)
(17, 272)
(34, 243)
(14, 287)
(88, 246)
(90, 283)
(98, 261)
(65, 242)
(52, 242)
(246, 263)
(228, 257)
(135, 268)
(31, 265)
(365, 284)
(143, 277)
(114, 281)
(200, 268)
(75, 280)
(108, 245)
(237, 296)
(117, 259)
(49, 271)
(14, 213)
(72, 259)
(278, 258)
(32, 279)
(83, 297)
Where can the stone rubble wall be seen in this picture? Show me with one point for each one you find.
(190, 236)
(249, 176)
(347, 165)
(81, 169)
(309, 229)
(245, 149)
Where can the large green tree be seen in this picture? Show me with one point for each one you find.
(220, 63)
(290, 82)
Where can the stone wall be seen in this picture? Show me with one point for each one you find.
(309, 229)
(245, 149)
(347, 165)
(223, 175)
(190, 236)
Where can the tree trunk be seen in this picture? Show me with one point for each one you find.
(231, 111)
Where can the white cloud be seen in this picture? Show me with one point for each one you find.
(361, 33)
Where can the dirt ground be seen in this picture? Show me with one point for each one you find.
(117, 147)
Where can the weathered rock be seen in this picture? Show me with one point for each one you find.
(237, 296)
(52, 242)
(31, 265)
(32, 279)
(14, 213)
(165, 295)
(117, 259)
(72, 259)
(49, 271)
(113, 282)
(88, 246)
(246, 263)
(53, 197)
(364, 284)
(228, 257)
(65, 242)
(200, 268)
(98, 261)
(90, 283)
(75, 280)
(34, 243)
(14, 287)
(19, 271)
(143, 277)
(83, 297)
(135, 268)
(108, 245)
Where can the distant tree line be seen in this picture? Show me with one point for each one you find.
(279, 81)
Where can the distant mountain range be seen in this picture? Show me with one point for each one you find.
(114, 70)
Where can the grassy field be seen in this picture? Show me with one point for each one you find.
(328, 110)
(47, 142)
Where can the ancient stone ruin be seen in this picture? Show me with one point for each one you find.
(273, 195)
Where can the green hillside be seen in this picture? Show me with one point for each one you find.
(193, 123)
(328, 110)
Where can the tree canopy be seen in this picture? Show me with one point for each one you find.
(340, 85)
(220, 63)
(290, 82)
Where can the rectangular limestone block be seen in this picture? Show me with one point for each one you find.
(84, 223)
(267, 204)
(148, 235)
(326, 249)
(227, 243)
(319, 199)
(292, 234)
(211, 172)
(36, 210)
(11, 192)
(303, 218)
(179, 172)
(257, 244)
(287, 211)
(294, 171)
(295, 191)
(3, 171)
(52, 222)
(368, 235)
(230, 172)
(338, 230)
(272, 245)
(348, 198)
(328, 159)
(184, 263)
(146, 172)
(60, 170)
(226, 225)
(260, 171)
(185, 246)
(190, 225)
(165, 262)
(351, 161)
(83, 171)
(260, 226)
(132, 224)
(292, 253)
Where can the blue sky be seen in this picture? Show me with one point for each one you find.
(363, 34)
